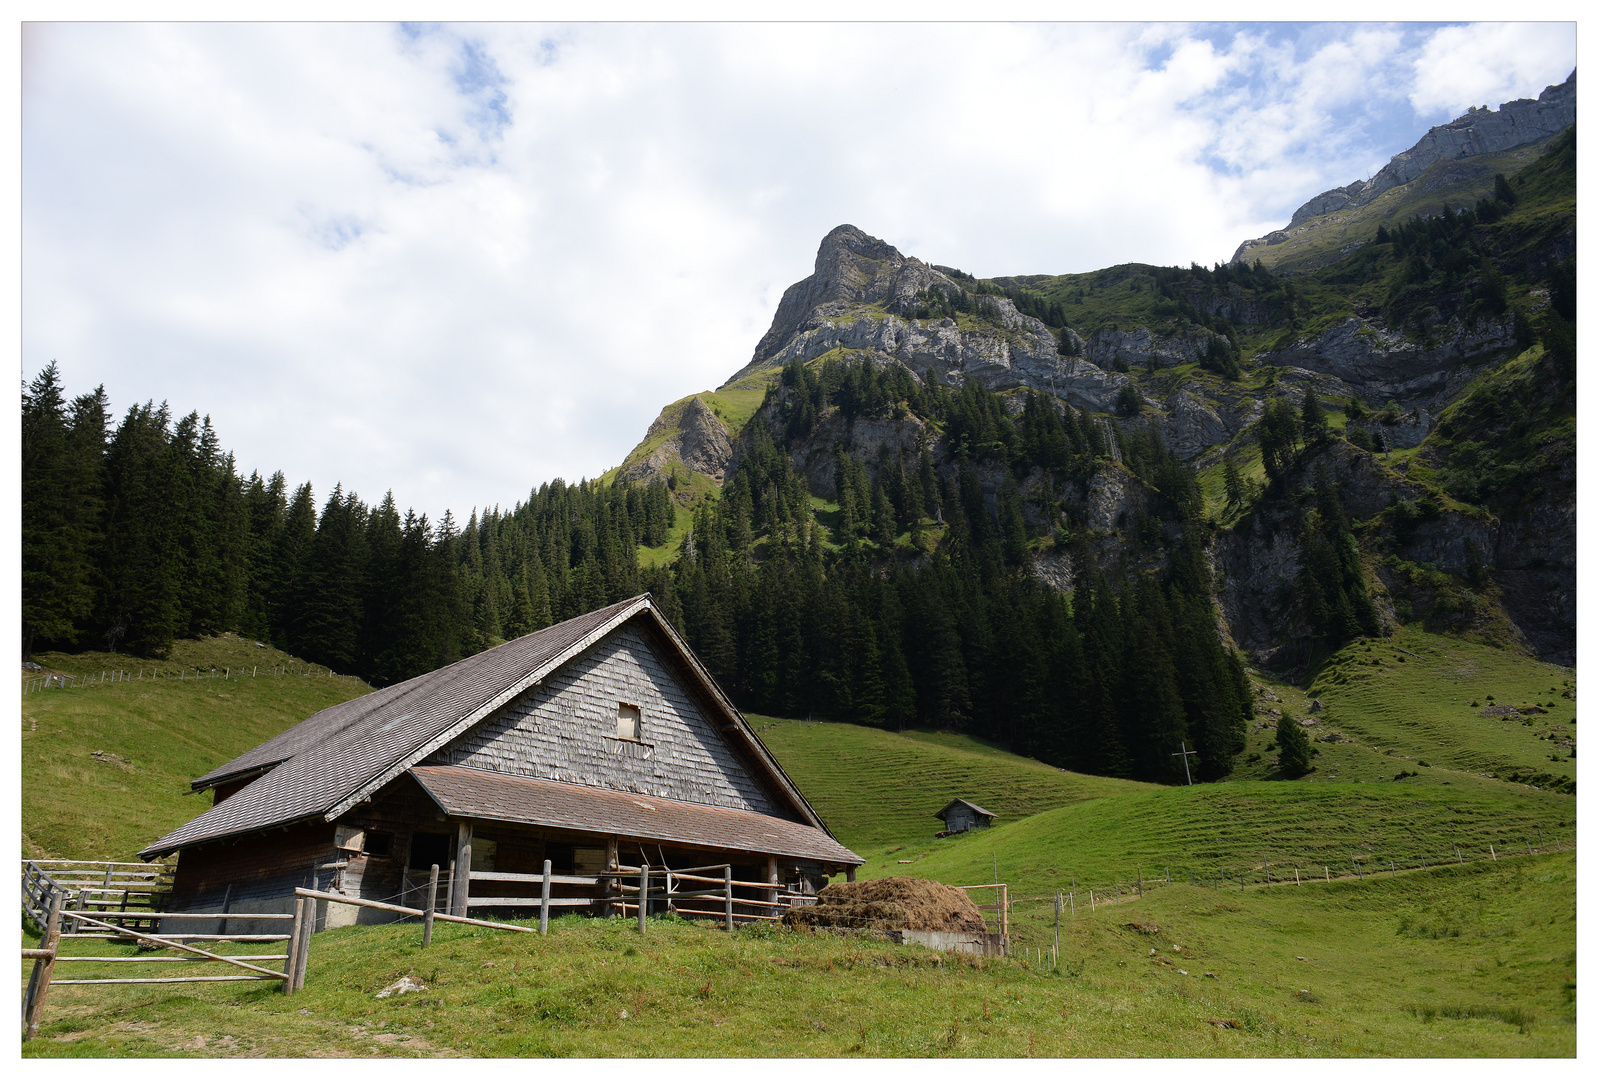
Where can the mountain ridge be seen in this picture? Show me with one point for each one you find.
(1477, 133)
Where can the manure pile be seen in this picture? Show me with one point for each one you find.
(894, 903)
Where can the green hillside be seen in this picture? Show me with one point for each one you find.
(1473, 961)
(1235, 827)
(877, 789)
(153, 736)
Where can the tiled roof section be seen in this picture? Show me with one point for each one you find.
(967, 802)
(491, 796)
(333, 753)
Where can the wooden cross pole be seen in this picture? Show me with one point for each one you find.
(643, 894)
(1184, 754)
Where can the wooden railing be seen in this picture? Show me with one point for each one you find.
(49, 953)
(138, 889)
(670, 894)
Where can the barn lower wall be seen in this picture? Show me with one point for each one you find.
(259, 872)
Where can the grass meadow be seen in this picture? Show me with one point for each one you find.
(1454, 961)
(1449, 960)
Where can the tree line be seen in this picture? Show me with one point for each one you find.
(911, 603)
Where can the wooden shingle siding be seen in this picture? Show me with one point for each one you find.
(565, 729)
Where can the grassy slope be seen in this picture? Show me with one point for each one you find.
(1233, 827)
(1388, 959)
(1385, 961)
(733, 403)
(1414, 705)
(168, 731)
(846, 770)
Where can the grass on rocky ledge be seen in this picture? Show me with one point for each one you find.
(1453, 962)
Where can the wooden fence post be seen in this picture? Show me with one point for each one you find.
(294, 945)
(302, 954)
(643, 894)
(543, 903)
(726, 878)
(1057, 905)
(39, 981)
(432, 905)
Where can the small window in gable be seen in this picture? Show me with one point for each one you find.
(629, 722)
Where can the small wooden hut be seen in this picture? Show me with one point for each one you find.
(962, 816)
(596, 744)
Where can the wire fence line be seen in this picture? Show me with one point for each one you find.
(1278, 871)
(190, 673)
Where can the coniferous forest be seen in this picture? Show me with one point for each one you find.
(911, 603)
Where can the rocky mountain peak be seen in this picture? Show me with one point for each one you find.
(852, 267)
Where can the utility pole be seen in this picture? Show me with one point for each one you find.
(1184, 755)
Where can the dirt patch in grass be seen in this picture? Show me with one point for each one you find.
(893, 903)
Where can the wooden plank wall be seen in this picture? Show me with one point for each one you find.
(565, 729)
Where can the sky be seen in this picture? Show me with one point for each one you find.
(456, 262)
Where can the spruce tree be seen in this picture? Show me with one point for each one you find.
(1293, 745)
(60, 505)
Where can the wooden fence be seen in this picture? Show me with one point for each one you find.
(136, 890)
(49, 953)
(54, 681)
(700, 891)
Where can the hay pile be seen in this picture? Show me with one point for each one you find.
(895, 903)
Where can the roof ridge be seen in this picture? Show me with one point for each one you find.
(361, 707)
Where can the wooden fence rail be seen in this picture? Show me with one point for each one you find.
(48, 955)
(54, 681)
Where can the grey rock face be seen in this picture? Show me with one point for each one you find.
(1005, 350)
(693, 435)
(1479, 131)
(1535, 559)
(1141, 347)
(1410, 431)
(1381, 363)
(851, 268)
(1325, 203)
(1192, 425)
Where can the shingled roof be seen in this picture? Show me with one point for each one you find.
(329, 762)
(491, 796)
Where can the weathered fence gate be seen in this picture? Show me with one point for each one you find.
(60, 914)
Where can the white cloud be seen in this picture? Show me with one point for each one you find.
(462, 261)
(1490, 63)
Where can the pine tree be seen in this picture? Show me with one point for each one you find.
(1312, 418)
(61, 461)
(1232, 480)
(141, 565)
(1294, 747)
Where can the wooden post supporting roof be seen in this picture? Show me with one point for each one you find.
(461, 882)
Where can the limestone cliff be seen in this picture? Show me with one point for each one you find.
(863, 299)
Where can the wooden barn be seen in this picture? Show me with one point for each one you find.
(962, 816)
(597, 744)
